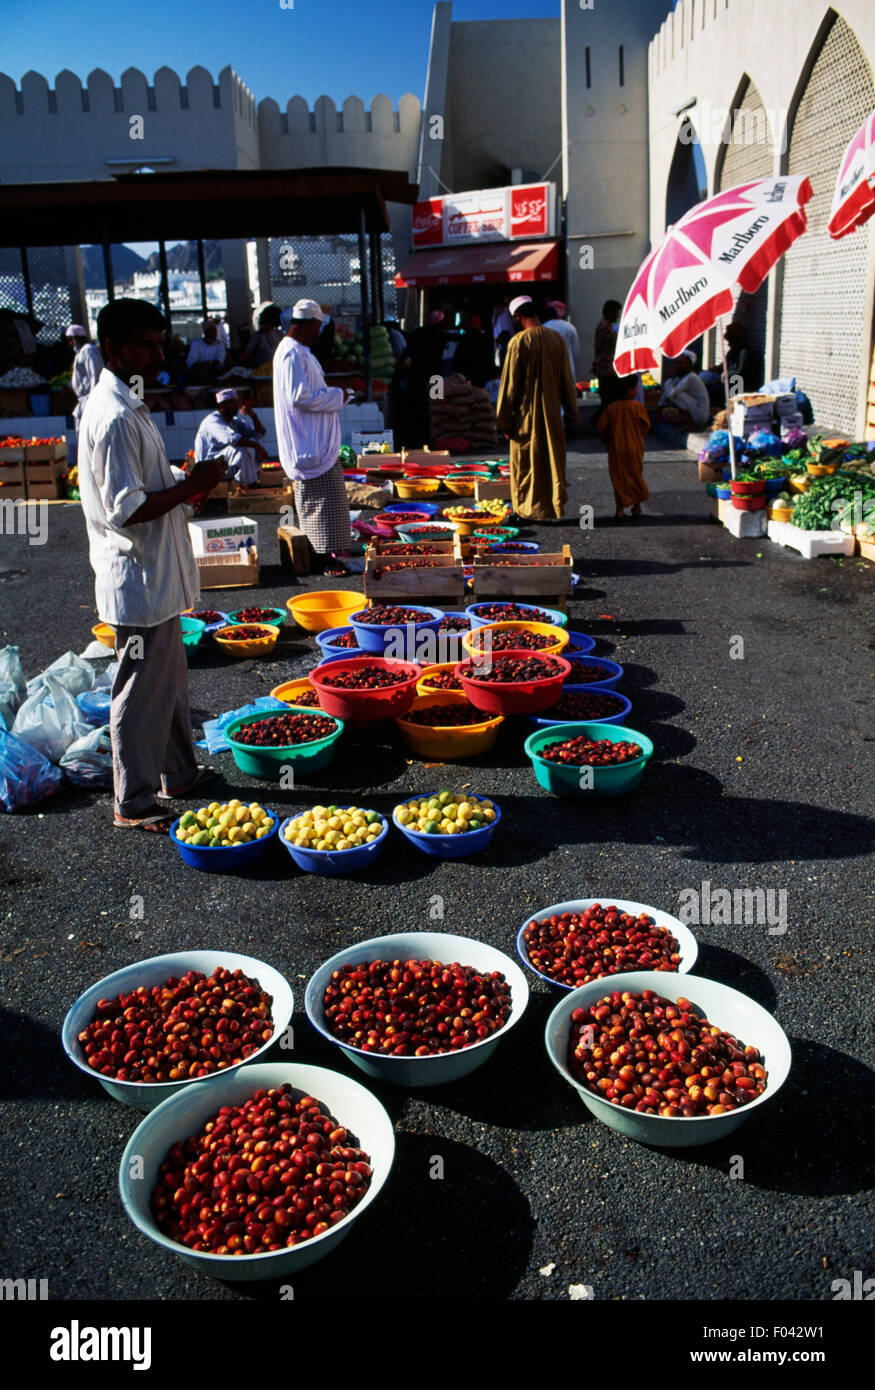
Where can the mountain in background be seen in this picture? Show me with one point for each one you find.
(125, 261)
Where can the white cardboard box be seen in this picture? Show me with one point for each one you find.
(223, 534)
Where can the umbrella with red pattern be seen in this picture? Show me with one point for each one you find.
(686, 284)
(854, 198)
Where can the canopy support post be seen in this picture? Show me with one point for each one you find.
(202, 274)
(727, 396)
(165, 286)
(363, 285)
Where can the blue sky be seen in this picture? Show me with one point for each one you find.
(332, 47)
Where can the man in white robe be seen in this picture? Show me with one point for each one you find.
(232, 431)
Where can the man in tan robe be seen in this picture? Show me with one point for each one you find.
(536, 382)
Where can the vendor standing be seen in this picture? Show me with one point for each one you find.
(87, 366)
(145, 571)
(536, 383)
(232, 432)
(307, 414)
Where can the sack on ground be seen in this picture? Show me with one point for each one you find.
(25, 775)
(88, 760)
(50, 727)
(13, 686)
(70, 670)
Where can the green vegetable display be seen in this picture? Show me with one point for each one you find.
(827, 498)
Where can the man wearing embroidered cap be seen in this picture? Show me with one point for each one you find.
(87, 366)
(232, 432)
(307, 414)
(536, 383)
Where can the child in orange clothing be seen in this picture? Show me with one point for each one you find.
(622, 428)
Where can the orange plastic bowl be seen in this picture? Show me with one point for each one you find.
(325, 608)
(452, 741)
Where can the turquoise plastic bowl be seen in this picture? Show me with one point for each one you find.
(269, 762)
(554, 617)
(606, 781)
(277, 620)
(192, 631)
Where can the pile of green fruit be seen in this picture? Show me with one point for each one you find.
(382, 357)
(448, 813)
(228, 824)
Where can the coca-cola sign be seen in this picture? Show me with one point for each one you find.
(491, 214)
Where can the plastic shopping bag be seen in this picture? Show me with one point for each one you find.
(70, 670)
(50, 728)
(88, 761)
(25, 775)
(94, 705)
(13, 686)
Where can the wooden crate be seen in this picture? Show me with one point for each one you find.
(44, 453)
(11, 472)
(545, 575)
(272, 474)
(11, 453)
(296, 552)
(866, 548)
(12, 492)
(269, 500)
(48, 472)
(487, 491)
(228, 571)
(425, 456)
(457, 546)
(444, 581)
(48, 491)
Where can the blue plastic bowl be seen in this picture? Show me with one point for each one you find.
(543, 721)
(613, 673)
(323, 640)
(342, 653)
(210, 628)
(513, 547)
(336, 862)
(553, 615)
(581, 640)
(222, 859)
(428, 509)
(562, 780)
(774, 485)
(449, 846)
(374, 638)
(723, 493)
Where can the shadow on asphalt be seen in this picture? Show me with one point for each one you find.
(425, 1237)
(613, 568)
(35, 1063)
(818, 1140)
(635, 627)
(730, 968)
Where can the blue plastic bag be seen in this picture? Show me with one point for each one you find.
(214, 729)
(25, 775)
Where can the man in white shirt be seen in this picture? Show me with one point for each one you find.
(554, 318)
(145, 570)
(207, 354)
(87, 366)
(684, 394)
(232, 433)
(307, 414)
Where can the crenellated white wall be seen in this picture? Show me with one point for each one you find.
(376, 136)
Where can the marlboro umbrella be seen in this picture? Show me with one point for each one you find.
(685, 285)
(854, 199)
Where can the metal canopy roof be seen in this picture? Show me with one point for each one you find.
(215, 203)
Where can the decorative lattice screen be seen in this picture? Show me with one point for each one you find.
(825, 319)
(51, 295)
(325, 268)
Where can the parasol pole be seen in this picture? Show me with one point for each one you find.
(726, 394)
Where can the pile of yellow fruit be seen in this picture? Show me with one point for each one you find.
(334, 827)
(447, 813)
(231, 823)
(494, 506)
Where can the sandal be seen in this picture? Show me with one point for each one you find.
(336, 568)
(202, 775)
(157, 823)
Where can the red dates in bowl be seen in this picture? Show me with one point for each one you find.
(571, 943)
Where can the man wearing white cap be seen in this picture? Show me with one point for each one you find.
(232, 432)
(87, 366)
(307, 413)
(536, 383)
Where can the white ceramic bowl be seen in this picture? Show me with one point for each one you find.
(684, 937)
(724, 1007)
(144, 1095)
(427, 945)
(180, 1116)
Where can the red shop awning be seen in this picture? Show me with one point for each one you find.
(499, 263)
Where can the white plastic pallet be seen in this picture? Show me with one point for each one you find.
(810, 544)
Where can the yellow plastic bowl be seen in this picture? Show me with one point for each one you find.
(560, 636)
(450, 743)
(484, 522)
(780, 513)
(820, 470)
(254, 646)
(290, 692)
(421, 487)
(461, 487)
(798, 483)
(325, 608)
(105, 634)
(422, 686)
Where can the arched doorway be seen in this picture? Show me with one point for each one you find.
(687, 185)
(826, 321)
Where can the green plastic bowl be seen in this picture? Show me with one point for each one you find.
(277, 620)
(192, 631)
(269, 762)
(606, 781)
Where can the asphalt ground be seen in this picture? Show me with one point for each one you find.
(762, 778)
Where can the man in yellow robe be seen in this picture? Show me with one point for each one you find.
(536, 382)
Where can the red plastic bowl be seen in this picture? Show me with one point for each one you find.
(387, 703)
(749, 504)
(527, 697)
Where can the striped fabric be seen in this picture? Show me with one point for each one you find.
(323, 511)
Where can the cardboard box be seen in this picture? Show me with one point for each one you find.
(228, 570)
(710, 475)
(296, 552)
(218, 535)
(268, 501)
(359, 438)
